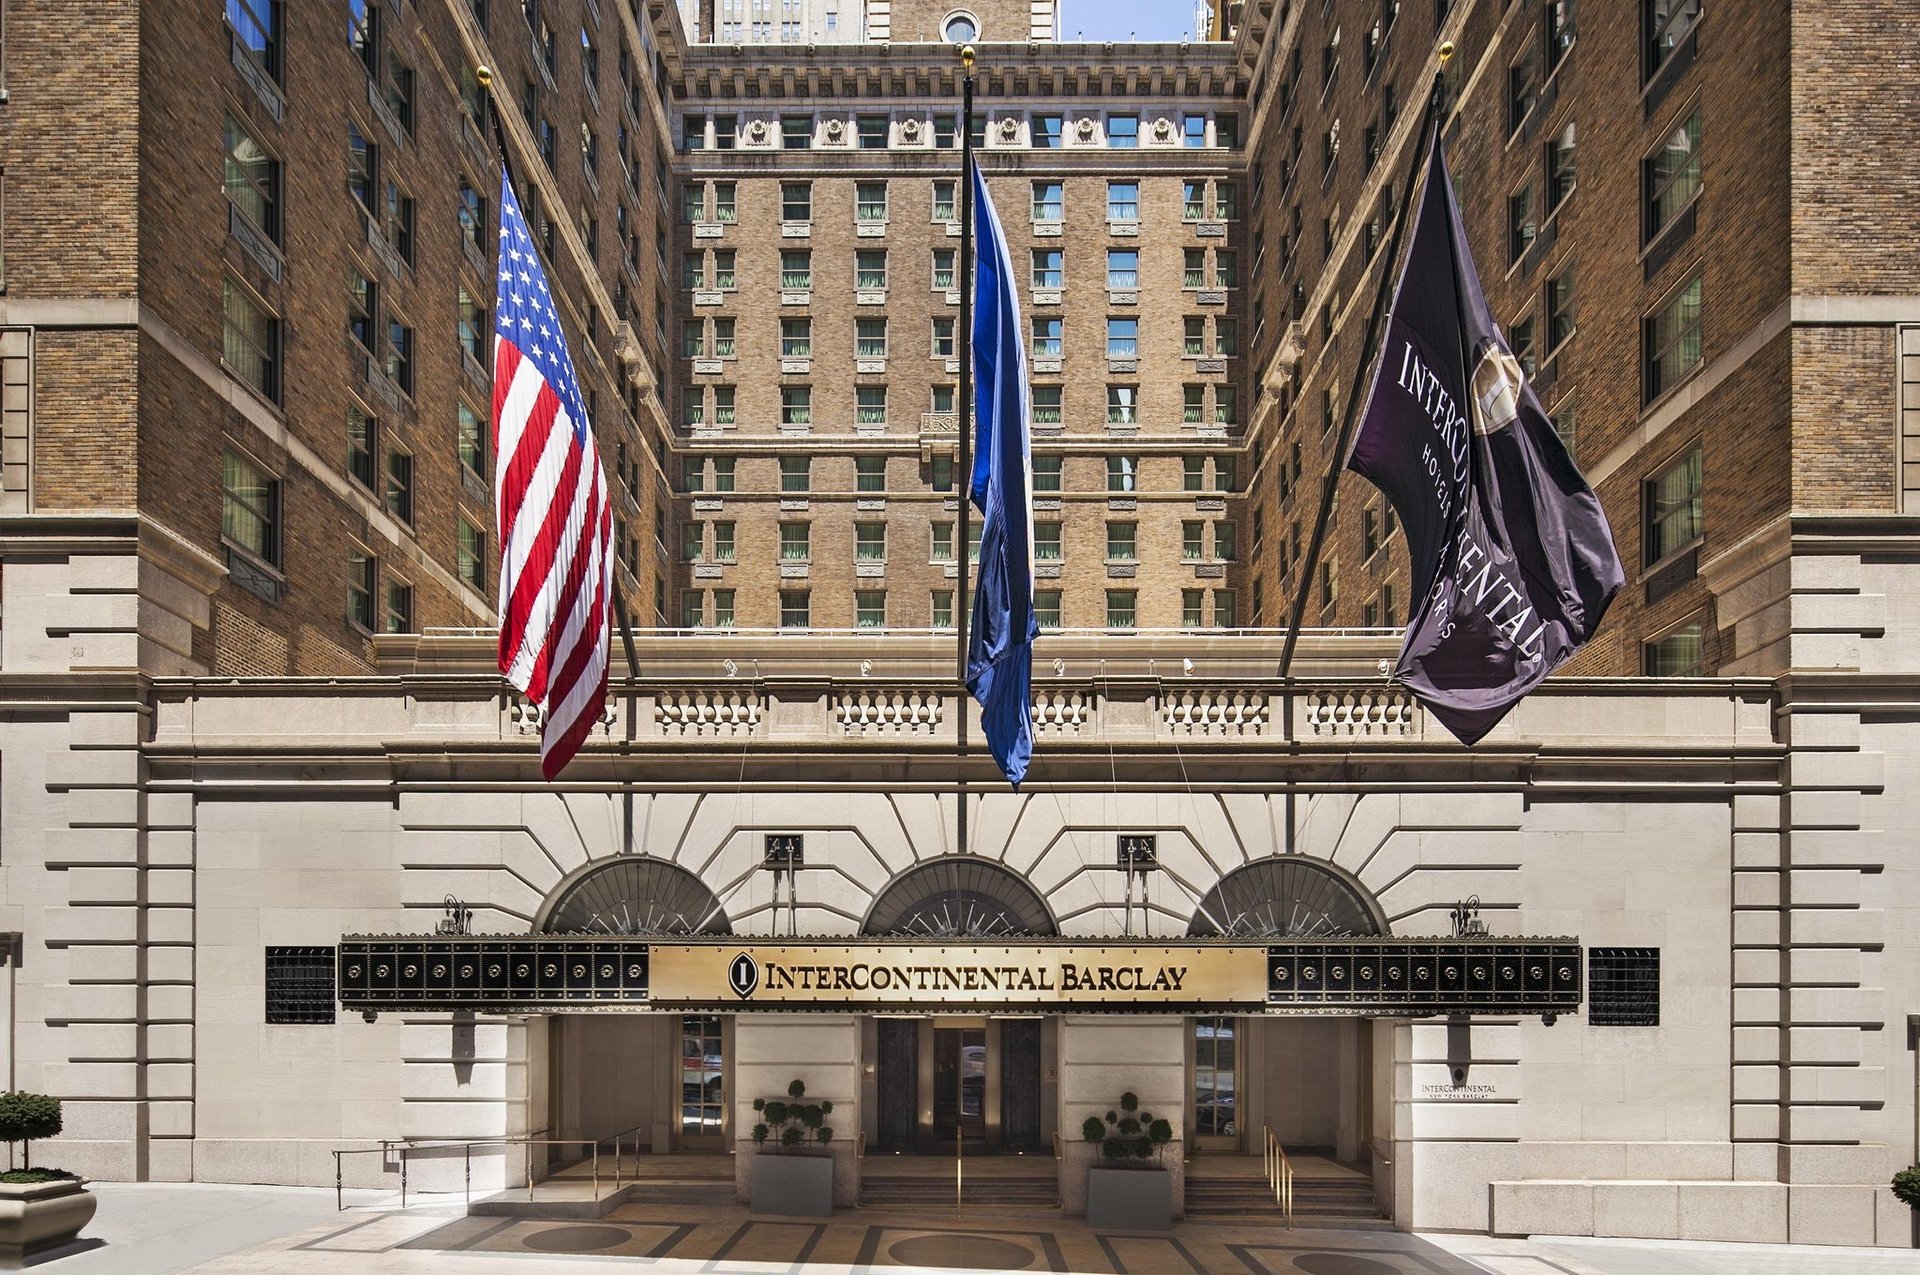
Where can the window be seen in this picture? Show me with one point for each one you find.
(1193, 200)
(796, 269)
(1123, 338)
(1369, 533)
(870, 542)
(692, 541)
(723, 269)
(1523, 90)
(1329, 60)
(1556, 30)
(725, 208)
(795, 542)
(723, 471)
(363, 35)
(941, 549)
(1047, 201)
(1194, 269)
(470, 440)
(870, 405)
(945, 132)
(870, 473)
(870, 338)
(796, 201)
(1122, 404)
(1193, 336)
(399, 498)
(1049, 265)
(1561, 176)
(396, 221)
(693, 473)
(872, 131)
(943, 201)
(723, 349)
(1193, 540)
(256, 27)
(473, 215)
(693, 608)
(1046, 542)
(941, 476)
(943, 336)
(1122, 473)
(1045, 336)
(725, 129)
(1046, 608)
(870, 269)
(693, 271)
(472, 326)
(796, 338)
(398, 91)
(796, 132)
(1522, 227)
(723, 608)
(1623, 986)
(796, 474)
(1046, 132)
(1122, 538)
(1123, 201)
(1123, 131)
(1559, 308)
(360, 582)
(1193, 604)
(250, 508)
(361, 433)
(795, 609)
(943, 268)
(1672, 340)
(363, 305)
(1225, 613)
(1226, 541)
(1196, 131)
(1123, 268)
(1226, 337)
(942, 608)
(1046, 405)
(300, 980)
(1121, 608)
(398, 357)
(1674, 507)
(693, 202)
(1329, 583)
(870, 201)
(693, 336)
(1671, 176)
(252, 180)
(723, 550)
(1193, 406)
(1226, 201)
(1046, 473)
(1223, 404)
(1668, 22)
(250, 343)
(398, 617)
(1520, 339)
(870, 608)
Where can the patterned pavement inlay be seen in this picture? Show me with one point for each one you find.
(577, 1239)
(962, 1252)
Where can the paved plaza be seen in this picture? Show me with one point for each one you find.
(238, 1230)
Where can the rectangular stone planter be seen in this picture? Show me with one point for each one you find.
(40, 1216)
(791, 1185)
(1129, 1199)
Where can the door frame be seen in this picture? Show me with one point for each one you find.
(1237, 1140)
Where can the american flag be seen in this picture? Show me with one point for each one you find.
(556, 524)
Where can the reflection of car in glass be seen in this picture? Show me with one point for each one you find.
(973, 1080)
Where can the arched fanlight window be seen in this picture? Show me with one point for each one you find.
(960, 897)
(634, 894)
(1287, 896)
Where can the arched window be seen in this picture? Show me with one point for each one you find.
(960, 897)
(1287, 896)
(633, 894)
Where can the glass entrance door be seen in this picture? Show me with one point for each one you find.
(703, 1096)
(959, 1085)
(1216, 1074)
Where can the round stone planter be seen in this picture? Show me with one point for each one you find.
(41, 1215)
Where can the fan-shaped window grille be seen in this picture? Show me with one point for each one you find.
(1287, 896)
(636, 894)
(960, 897)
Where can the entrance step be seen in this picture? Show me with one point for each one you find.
(995, 1183)
(1324, 1194)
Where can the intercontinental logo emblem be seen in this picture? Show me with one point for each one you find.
(743, 975)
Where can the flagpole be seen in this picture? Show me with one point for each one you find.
(963, 469)
(484, 76)
(1331, 483)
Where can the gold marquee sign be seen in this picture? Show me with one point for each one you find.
(908, 975)
(567, 973)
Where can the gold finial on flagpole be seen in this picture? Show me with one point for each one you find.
(484, 74)
(966, 57)
(1446, 51)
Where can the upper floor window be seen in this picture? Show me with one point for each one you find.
(363, 166)
(944, 208)
(363, 34)
(1561, 176)
(250, 507)
(257, 26)
(796, 201)
(1672, 340)
(1667, 23)
(1671, 175)
(1196, 130)
(253, 180)
(1123, 268)
(1123, 131)
(1556, 30)
(872, 132)
(796, 132)
(1674, 509)
(473, 215)
(1676, 653)
(870, 201)
(250, 344)
(1123, 201)
(1123, 338)
(1047, 201)
(1046, 132)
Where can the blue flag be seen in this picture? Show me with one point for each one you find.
(1000, 645)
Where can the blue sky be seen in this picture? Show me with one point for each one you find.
(1115, 19)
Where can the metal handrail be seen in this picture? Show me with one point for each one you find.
(529, 1142)
(1279, 1171)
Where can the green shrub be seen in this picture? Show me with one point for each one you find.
(1134, 1135)
(1906, 1186)
(790, 1123)
(26, 1116)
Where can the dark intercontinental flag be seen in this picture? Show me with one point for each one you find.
(1513, 561)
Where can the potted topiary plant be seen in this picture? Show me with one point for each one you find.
(1128, 1188)
(1906, 1189)
(39, 1208)
(792, 1170)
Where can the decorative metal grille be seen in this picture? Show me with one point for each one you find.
(1283, 897)
(637, 894)
(300, 984)
(960, 897)
(491, 973)
(1623, 986)
(1425, 976)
